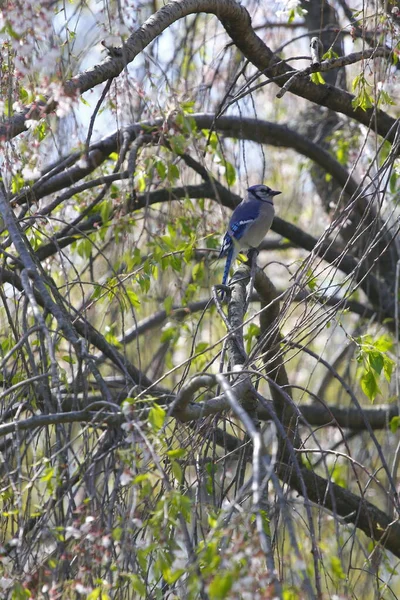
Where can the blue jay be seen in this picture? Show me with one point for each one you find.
(248, 225)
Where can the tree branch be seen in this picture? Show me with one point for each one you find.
(237, 23)
(263, 132)
(376, 524)
(88, 332)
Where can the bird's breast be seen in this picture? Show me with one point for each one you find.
(258, 230)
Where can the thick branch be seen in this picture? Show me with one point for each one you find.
(352, 509)
(376, 291)
(376, 524)
(269, 348)
(237, 23)
(263, 132)
(350, 417)
(235, 345)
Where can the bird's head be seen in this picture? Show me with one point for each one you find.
(262, 193)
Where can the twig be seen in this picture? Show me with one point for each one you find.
(334, 63)
(188, 391)
(94, 115)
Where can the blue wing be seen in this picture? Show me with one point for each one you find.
(243, 214)
(239, 227)
(245, 210)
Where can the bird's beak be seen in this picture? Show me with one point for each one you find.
(272, 193)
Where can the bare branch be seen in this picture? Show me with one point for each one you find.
(237, 24)
(333, 63)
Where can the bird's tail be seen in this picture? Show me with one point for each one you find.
(228, 263)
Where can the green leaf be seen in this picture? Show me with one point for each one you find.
(178, 143)
(337, 567)
(172, 576)
(177, 453)
(144, 282)
(138, 585)
(177, 470)
(48, 474)
(376, 361)
(117, 533)
(133, 298)
(212, 139)
(84, 248)
(312, 281)
(157, 417)
(201, 347)
(161, 169)
(265, 521)
(369, 385)
(17, 183)
(20, 593)
(252, 332)
(173, 173)
(198, 271)
(342, 150)
(363, 100)
(11, 32)
(23, 95)
(183, 119)
(384, 343)
(188, 253)
(176, 263)
(393, 182)
(220, 586)
(106, 209)
(388, 366)
(168, 304)
(140, 178)
(338, 475)
(112, 338)
(69, 359)
(330, 54)
(385, 98)
(394, 424)
(40, 131)
(317, 78)
(168, 333)
(290, 594)
(356, 82)
(230, 173)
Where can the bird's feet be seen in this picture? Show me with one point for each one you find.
(222, 291)
(252, 255)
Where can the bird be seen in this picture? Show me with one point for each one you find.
(249, 223)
